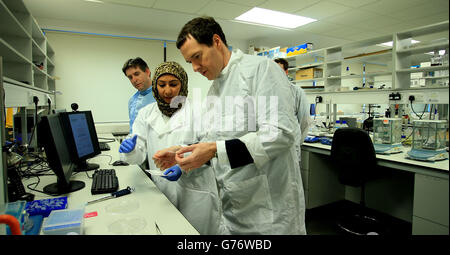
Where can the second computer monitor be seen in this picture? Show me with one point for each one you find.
(58, 156)
(81, 137)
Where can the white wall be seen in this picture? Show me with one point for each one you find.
(90, 68)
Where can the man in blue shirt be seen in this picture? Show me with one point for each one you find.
(137, 71)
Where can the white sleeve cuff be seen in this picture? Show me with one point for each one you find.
(222, 156)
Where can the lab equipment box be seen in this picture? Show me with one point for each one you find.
(63, 222)
(387, 134)
(299, 49)
(309, 73)
(428, 141)
(429, 134)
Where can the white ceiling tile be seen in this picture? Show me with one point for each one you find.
(351, 17)
(354, 3)
(388, 6)
(345, 20)
(191, 6)
(440, 17)
(319, 27)
(251, 3)
(419, 11)
(224, 10)
(399, 27)
(323, 9)
(344, 31)
(138, 3)
(364, 35)
(289, 6)
(377, 22)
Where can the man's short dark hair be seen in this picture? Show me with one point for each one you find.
(201, 29)
(134, 62)
(283, 62)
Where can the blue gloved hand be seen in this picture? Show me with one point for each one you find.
(173, 173)
(128, 145)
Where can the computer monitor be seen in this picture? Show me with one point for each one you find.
(58, 156)
(81, 137)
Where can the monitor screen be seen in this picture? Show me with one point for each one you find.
(81, 135)
(57, 152)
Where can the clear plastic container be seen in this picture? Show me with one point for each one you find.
(387, 130)
(429, 134)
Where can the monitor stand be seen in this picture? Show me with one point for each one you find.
(85, 166)
(56, 189)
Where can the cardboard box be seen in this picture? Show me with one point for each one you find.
(308, 73)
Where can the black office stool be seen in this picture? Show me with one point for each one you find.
(353, 154)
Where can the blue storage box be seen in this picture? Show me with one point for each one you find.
(45, 206)
(299, 49)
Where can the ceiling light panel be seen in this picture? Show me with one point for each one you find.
(274, 18)
(289, 6)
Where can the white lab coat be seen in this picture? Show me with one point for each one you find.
(264, 197)
(301, 109)
(195, 193)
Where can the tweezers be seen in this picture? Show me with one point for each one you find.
(158, 231)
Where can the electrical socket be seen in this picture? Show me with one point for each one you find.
(418, 98)
(395, 96)
(318, 99)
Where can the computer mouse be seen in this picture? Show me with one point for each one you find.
(120, 163)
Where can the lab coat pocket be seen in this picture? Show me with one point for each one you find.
(201, 209)
(248, 206)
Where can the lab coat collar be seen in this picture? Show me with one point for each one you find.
(156, 120)
(236, 55)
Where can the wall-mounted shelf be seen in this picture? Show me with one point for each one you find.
(27, 55)
(370, 63)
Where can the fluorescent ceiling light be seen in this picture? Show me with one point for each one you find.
(274, 18)
(389, 44)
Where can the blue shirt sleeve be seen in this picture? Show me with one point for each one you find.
(136, 102)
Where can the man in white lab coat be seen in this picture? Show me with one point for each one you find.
(255, 161)
(301, 106)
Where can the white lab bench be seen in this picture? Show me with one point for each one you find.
(414, 191)
(141, 209)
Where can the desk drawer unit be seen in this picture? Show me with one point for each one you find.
(431, 205)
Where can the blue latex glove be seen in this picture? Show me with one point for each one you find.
(128, 145)
(173, 173)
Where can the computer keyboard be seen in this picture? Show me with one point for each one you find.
(104, 181)
(104, 146)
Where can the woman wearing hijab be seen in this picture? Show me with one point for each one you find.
(162, 124)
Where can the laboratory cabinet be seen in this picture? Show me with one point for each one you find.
(320, 182)
(28, 58)
(431, 201)
(408, 62)
(413, 191)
